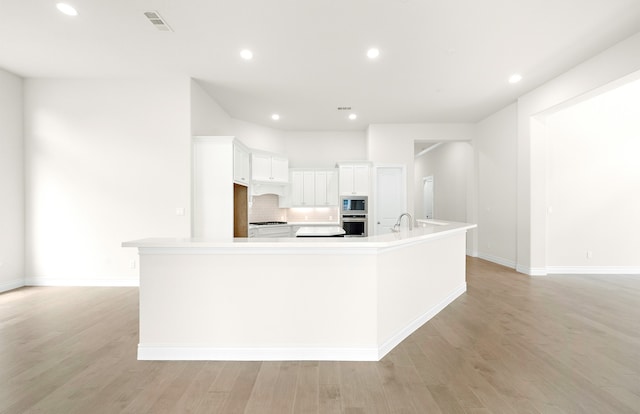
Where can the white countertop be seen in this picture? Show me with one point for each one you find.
(423, 233)
(320, 231)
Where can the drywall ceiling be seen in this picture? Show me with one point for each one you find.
(440, 60)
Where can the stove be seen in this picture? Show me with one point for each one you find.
(267, 223)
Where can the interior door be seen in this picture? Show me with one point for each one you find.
(427, 192)
(391, 197)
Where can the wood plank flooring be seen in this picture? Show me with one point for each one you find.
(511, 344)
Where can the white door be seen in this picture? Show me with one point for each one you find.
(391, 197)
(427, 192)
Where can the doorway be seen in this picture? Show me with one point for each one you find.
(427, 191)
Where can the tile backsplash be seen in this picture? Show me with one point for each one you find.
(265, 208)
(313, 214)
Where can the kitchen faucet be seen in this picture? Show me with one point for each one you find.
(396, 227)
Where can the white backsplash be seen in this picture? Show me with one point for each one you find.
(265, 208)
(313, 214)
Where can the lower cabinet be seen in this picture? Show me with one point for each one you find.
(270, 231)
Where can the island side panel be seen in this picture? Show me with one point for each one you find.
(415, 283)
(213, 303)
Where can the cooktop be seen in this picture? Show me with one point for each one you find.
(267, 223)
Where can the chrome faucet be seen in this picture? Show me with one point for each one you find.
(396, 227)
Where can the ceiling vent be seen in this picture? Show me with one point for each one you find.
(157, 21)
(344, 108)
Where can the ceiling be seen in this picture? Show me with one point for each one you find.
(440, 60)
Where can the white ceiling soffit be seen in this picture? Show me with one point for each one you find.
(440, 60)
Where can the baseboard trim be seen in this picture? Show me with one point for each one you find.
(498, 260)
(400, 336)
(198, 353)
(12, 284)
(531, 271)
(593, 270)
(46, 281)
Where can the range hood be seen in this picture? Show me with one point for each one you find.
(261, 188)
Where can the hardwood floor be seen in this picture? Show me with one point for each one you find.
(511, 344)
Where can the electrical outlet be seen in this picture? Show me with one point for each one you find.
(179, 211)
(589, 254)
(133, 263)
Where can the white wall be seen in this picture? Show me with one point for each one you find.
(594, 183)
(614, 63)
(207, 116)
(496, 157)
(321, 149)
(448, 164)
(106, 161)
(11, 183)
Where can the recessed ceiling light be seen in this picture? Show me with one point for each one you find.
(373, 53)
(246, 54)
(67, 9)
(352, 116)
(515, 78)
(275, 117)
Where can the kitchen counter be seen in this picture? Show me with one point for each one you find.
(321, 231)
(295, 298)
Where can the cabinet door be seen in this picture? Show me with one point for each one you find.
(332, 188)
(321, 188)
(279, 169)
(240, 165)
(361, 180)
(308, 195)
(261, 167)
(346, 179)
(297, 188)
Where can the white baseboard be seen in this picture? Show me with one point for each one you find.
(498, 260)
(46, 281)
(196, 353)
(531, 271)
(472, 253)
(12, 284)
(593, 270)
(400, 336)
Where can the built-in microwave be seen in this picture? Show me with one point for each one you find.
(353, 205)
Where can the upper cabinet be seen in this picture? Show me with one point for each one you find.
(312, 188)
(302, 188)
(241, 164)
(354, 179)
(326, 191)
(269, 168)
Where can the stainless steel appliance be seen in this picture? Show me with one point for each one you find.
(354, 225)
(354, 204)
(353, 215)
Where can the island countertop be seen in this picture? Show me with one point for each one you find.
(295, 298)
(426, 230)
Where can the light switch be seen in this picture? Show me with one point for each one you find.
(180, 211)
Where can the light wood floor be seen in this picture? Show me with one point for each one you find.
(511, 344)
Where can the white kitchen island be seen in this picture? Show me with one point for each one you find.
(295, 298)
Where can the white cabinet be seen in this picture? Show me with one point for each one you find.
(354, 179)
(302, 188)
(326, 191)
(269, 168)
(270, 231)
(313, 188)
(241, 168)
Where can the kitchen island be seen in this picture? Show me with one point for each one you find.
(295, 298)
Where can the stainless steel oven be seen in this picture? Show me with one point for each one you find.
(354, 225)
